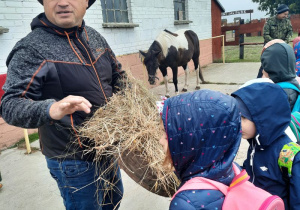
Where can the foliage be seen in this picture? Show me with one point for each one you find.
(270, 6)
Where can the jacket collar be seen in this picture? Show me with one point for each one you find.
(41, 21)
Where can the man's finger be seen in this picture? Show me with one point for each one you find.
(83, 107)
(64, 105)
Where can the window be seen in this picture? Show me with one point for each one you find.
(114, 11)
(179, 10)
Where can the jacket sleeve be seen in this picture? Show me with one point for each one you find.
(295, 184)
(118, 75)
(20, 105)
(292, 96)
(267, 31)
(289, 32)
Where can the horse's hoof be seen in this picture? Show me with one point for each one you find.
(197, 88)
(204, 82)
(184, 90)
(167, 95)
(177, 93)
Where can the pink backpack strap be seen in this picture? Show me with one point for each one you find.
(236, 169)
(240, 178)
(201, 183)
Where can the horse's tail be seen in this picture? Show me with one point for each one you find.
(196, 55)
(193, 36)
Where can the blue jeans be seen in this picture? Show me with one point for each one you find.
(83, 185)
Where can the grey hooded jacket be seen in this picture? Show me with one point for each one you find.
(279, 61)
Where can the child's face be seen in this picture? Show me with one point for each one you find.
(265, 74)
(163, 140)
(248, 128)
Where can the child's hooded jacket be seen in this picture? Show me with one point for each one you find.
(270, 112)
(203, 130)
(297, 54)
(278, 60)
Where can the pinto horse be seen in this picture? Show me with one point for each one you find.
(173, 50)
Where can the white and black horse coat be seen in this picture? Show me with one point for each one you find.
(173, 50)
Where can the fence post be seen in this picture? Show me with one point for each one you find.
(27, 143)
(241, 42)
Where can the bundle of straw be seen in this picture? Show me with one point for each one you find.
(128, 128)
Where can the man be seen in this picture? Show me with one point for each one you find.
(278, 27)
(57, 76)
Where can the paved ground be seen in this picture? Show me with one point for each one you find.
(27, 182)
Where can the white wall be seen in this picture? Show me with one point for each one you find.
(16, 15)
(152, 16)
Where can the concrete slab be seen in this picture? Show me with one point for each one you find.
(28, 184)
(231, 72)
(225, 78)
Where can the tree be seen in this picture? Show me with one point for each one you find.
(270, 6)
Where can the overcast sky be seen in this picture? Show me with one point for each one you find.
(234, 5)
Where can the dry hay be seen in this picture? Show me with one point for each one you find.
(128, 129)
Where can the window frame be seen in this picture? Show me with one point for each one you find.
(116, 23)
(184, 5)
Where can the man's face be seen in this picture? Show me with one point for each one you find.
(283, 15)
(65, 13)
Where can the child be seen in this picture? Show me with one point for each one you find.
(297, 39)
(202, 136)
(265, 116)
(278, 63)
(297, 54)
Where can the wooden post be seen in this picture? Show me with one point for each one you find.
(27, 141)
(223, 48)
(242, 42)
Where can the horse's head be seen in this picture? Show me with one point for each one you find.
(151, 63)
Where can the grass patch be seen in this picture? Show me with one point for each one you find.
(21, 143)
(251, 52)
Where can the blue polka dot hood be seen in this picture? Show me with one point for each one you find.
(203, 130)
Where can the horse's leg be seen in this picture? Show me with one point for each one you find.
(197, 80)
(198, 72)
(165, 75)
(186, 77)
(175, 81)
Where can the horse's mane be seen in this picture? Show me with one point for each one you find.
(170, 32)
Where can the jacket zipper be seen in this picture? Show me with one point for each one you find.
(252, 160)
(93, 68)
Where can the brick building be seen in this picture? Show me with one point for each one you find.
(216, 10)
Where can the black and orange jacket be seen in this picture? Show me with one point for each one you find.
(49, 64)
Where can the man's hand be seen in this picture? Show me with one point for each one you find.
(69, 105)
